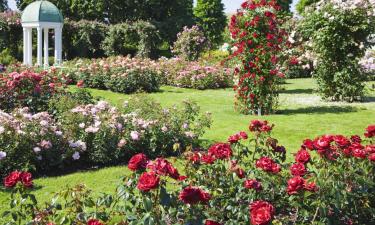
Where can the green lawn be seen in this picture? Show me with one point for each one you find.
(301, 115)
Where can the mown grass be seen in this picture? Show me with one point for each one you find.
(301, 115)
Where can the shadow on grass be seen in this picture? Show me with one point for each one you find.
(297, 91)
(319, 110)
(9, 190)
(170, 91)
(369, 99)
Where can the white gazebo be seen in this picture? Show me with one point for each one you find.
(42, 15)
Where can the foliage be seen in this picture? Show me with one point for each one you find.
(258, 40)
(119, 74)
(212, 19)
(181, 73)
(285, 4)
(95, 135)
(6, 58)
(11, 33)
(124, 37)
(28, 89)
(338, 32)
(368, 63)
(245, 180)
(3, 5)
(190, 43)
(302, 4)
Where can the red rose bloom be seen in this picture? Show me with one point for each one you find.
(211, 222)
(80, 84)
(194, 195)
(311, 187)
(309, 144)
(138, 162)
(298, 169)
(341, 141)
(371, 157)
(94, 222)
(253, 184)
(220, 151)
(208, 159)
(162, 167)
(370, 131)
(302, 156)
(261, 212)
(148, 181)
(26, 179)
(268, 165)
(259, 126)
(370, 149)
(243, 135)
(234, 138)
(295, 184)
(356, 139)
(12, 179)
(358, 151)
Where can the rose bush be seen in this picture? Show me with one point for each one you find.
(227, 185)
(258, 41)
(96, 135)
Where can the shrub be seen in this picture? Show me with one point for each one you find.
(119, 74)
(241, 181)
(258, 40)
(11, 33)
(28, 89)
(198, 75)
(368, 63)
(190, 43)
(339, 34)
(95, 135)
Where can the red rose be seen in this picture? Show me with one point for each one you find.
(371, 157)
(309, 144)
(302, 156)
(194, 157)
(26, 179)
(148, 181)
(138, 162)
(259, 126)
(295, 184)
(207, 158)
(356, 139)
(253, 184)
(12, 179)
(358, 151)
(80, 84)
(94, 222)
(162, 167)
(341, 141)
(268, 165)
(243, 135)
(370, 131)
(370, 149)
(220, 151)
(261, 212)
(194, 195)
(234, 138)
(211, 222)
(322, 143)
(298, 169)
(311, 187)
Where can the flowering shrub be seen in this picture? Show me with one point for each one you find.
(28, 89)
(181, 73)
(258, 41)
(245, 180)
(190, 43)
(118, 74)
(95, 135)
(368, 63)
(339, 32)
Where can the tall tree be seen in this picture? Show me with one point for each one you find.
(3, 5)
(302, 4)
(211, 17)
(285, 4)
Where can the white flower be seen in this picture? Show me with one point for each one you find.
(134, 135)
(81, 125)
(58, 133)
(44, 123)
(91, 129)
(37, 149)
(164, 129)
(190, 134)
(121, 143)
(76, 156)
(46, 144)
(2, 155)
(185, 126)
(2, 129)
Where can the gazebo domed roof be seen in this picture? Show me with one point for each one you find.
(41, 11)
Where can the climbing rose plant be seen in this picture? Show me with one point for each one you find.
(258, 42)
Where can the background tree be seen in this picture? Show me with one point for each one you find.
(212, 19)
(302, 4)
(3, 5)
(285, 4)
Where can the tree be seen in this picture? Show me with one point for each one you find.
(3, 5)
(302, 4)
(285, 4)
(212, 19)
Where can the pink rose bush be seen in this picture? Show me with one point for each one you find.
(243, 182)
(95, 135)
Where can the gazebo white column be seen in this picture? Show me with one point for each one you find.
(25, 46)
(58, 45)
(40, 46)
(46, 56)
(29, 47)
